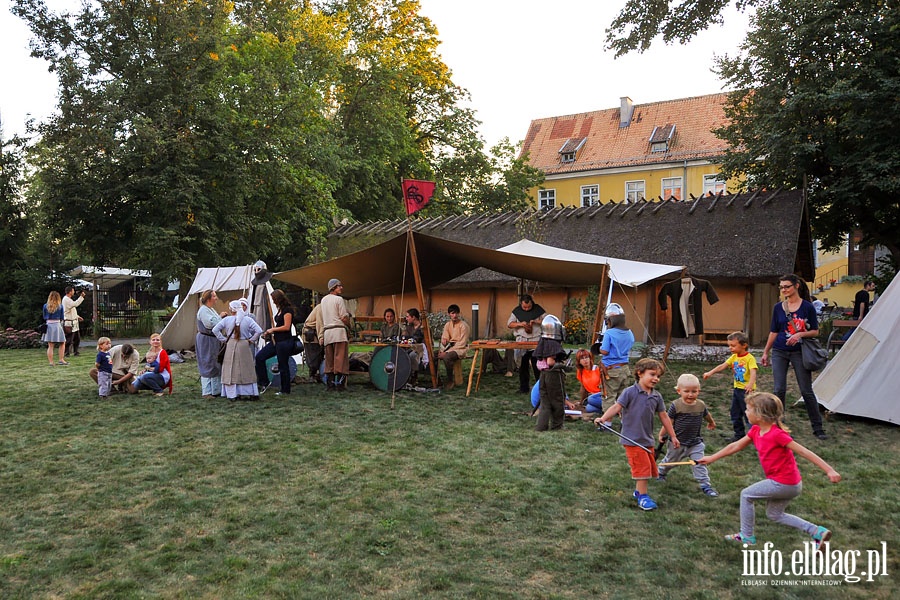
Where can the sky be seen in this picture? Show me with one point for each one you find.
(519, 60)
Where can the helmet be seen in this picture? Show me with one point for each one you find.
(614, 309)
(551, 328)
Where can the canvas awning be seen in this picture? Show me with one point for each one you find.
(387, 269)
(106, 277)
(626, 272)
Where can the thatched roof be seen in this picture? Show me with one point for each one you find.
(749, 237)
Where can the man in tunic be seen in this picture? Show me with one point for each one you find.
(335, 321)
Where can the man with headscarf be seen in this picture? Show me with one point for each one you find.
(259, 297)
(335, 321)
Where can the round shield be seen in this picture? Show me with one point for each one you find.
(390, 368)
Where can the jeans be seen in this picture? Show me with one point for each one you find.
(152, 381)
(780, 361)
(739, 412)
(283, 350)
(594, 403)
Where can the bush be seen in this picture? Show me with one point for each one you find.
(11, 339)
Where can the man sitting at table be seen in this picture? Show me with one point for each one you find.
(454, 343)
(525, 321)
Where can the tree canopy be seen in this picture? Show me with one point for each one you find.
(215, 132)
(818, 85)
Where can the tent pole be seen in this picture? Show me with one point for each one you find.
(426, 330)
(598, 317)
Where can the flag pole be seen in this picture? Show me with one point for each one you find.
(426, 329)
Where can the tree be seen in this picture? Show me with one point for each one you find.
(641, 21)
(14, 224)
(472, 181)
(819, 85)
(181, 140)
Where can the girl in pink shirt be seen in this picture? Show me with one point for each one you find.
(776, 455)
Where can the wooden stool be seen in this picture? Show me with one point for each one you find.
(457, 373)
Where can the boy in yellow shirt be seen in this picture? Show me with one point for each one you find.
(744, 368)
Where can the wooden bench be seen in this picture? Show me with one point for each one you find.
(368, 334)
(716, 337)
(836, 337)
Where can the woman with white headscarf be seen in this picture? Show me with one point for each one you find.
(240, 332)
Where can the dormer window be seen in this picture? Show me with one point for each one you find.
(570, 149)
(661, 138)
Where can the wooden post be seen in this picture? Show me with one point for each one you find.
(426, 330)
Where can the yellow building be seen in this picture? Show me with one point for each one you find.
(659, 150)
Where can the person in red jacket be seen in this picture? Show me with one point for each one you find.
(158, 373)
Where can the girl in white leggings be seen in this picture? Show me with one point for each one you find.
(776, 455)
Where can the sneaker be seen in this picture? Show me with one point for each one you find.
(800, 402)
(709, 491)
(821, 536)
(645, 502)
(821, 435)
(750, 540)
(662, 477)
(734, 438)
(63, 363)
(158, 394)
(636, 494)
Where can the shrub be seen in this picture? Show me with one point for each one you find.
(11, 339)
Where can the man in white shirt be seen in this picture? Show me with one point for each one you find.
(71, 320)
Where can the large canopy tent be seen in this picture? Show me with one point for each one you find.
(854, 381)
(386, 268)
(230, 283)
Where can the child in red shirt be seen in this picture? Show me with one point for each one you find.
(776, 455)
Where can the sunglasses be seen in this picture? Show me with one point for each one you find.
(786, 287)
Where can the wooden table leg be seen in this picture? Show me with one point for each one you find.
(472, 371)
(478, 379)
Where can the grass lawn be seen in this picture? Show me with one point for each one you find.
(339, 496)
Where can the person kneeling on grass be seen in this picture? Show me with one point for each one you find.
(687, 415)
(776, 455)
(637, 405)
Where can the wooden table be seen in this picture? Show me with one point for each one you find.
(479, 345)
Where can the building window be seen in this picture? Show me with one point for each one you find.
(590, 195)
(567, 157)
(671, 188)
(634, 190)
(712, 183)
(547, 199)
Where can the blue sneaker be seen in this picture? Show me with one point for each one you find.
(821, 536)
(636, 494)
(645, 502)
(709, 491)
(750, 540)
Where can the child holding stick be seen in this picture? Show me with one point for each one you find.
(776, 455)
(637, 404)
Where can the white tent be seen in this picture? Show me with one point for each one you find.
(857, 380)
(626, 272)
(230, 283)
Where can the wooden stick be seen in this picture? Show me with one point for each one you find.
(675, 464)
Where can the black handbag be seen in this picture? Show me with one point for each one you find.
(814, 355)
(298, 345)
(41, 329)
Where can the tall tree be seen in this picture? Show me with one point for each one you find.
(14, 225)
(179, 141)
(641, 21)
(820, 84)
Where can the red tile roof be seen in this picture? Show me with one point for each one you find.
(609, 146)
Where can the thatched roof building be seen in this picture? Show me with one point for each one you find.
(741, 238)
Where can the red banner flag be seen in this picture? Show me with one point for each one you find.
(416, 194)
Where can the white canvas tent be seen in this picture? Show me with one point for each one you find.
(230, 283)
(857, 381)
(626, 272)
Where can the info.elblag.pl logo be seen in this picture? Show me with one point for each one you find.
(852, 566)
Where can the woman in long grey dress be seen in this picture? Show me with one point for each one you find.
(240, 332)
(207, 346)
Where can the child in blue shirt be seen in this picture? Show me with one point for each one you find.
(103, 364)
(637, 404)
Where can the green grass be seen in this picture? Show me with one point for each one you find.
(339, 496)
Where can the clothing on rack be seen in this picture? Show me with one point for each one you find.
(687, 304)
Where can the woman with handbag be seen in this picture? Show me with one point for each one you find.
(239, 332)
(53, 317)
(793, 320)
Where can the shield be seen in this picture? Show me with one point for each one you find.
(390, 368)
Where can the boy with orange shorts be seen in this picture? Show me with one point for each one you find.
(637, 404)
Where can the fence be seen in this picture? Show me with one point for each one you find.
(122, 313)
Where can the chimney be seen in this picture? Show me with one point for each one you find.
(625, 112)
